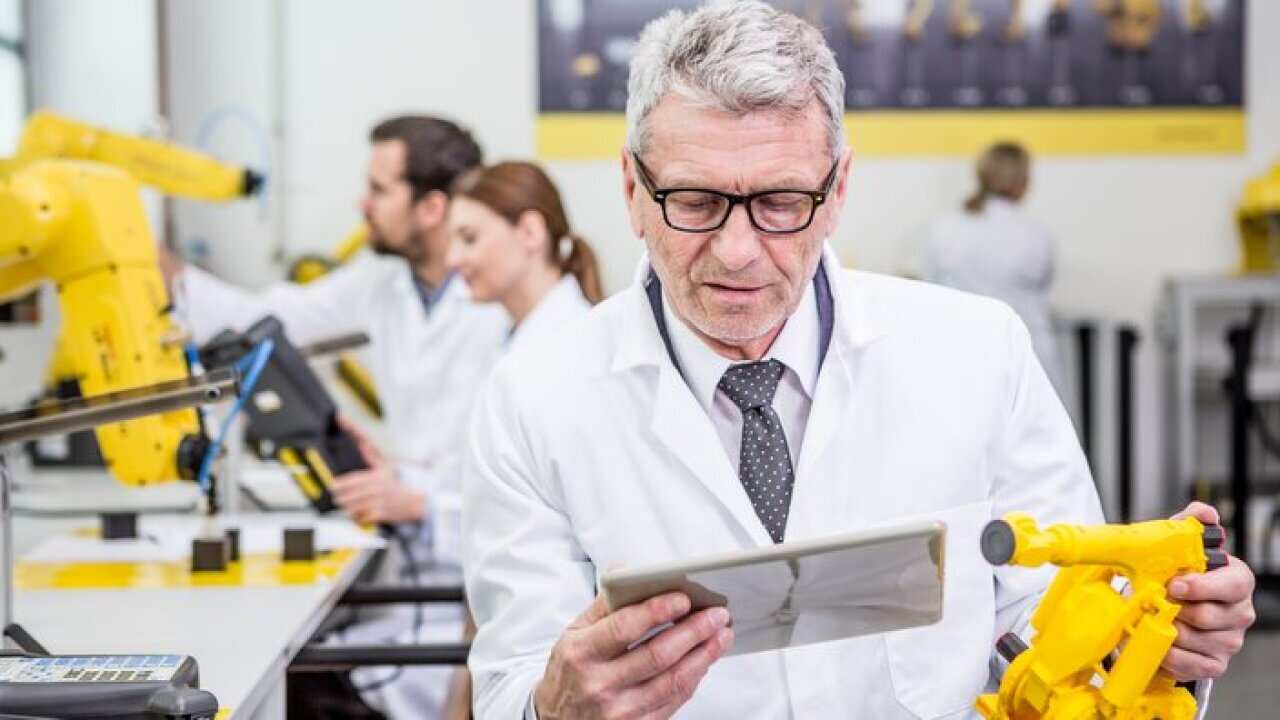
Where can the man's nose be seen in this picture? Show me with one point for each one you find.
(737, 244)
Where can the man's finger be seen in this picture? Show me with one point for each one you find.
(1230, 584)
(348, 497)
(1212, 643)
(673, 688)
(1206, 514)
(355, 478)
(611, 635)
(594, 613)
(368, 449)
(1186, 665)
(668, 647)
(1211, 616)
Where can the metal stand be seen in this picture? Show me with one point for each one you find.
(327, 658)
(81, 414)
(1244, 410)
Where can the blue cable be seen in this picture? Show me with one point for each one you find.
(254, 363)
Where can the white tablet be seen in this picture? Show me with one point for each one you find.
(805, 592)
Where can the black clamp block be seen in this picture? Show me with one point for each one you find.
(210, 554)
(119, 526)
(299, 544)
(233, 544)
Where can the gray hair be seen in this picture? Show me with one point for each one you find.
(739, 57)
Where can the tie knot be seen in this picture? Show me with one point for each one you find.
(752, 385)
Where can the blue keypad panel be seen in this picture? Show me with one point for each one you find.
(90, 668)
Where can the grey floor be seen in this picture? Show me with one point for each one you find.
(1251, 687)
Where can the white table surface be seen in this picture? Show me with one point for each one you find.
(243, 638)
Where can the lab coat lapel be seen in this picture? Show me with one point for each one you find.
(822, 484)
(679, 424)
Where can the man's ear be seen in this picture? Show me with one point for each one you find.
(431, 210)
(633, 194)
(839, 191)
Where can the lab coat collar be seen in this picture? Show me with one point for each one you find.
(681, 425)
(563, 296)
(641, 344)
(794, 347)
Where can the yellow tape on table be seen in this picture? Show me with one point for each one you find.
(256, 570)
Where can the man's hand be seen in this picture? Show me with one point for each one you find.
(170, 265)
(375, 495)
(591, 674)
(1217, 607)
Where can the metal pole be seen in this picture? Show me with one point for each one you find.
(1085, 333)
(1128, 337)
(1240, 339)
(6, 547)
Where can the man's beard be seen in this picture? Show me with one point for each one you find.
(411, 251)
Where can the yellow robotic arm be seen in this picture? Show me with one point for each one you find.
(310, 267)
(1259, 220)
(167, 167)
(1083, 622)
(82, 226)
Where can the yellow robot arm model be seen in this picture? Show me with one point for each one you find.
(169, 168)
(1097, 650)
(1258, 218)
(964, 22)
(82, 226)
(918, 13)
(310, 267)
(1131, 24)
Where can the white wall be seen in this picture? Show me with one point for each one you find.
(13, 91)
(97, 62)
(224, 98)
(1124, 223)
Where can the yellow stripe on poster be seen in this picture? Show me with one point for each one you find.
(255, 570)
(599, 136)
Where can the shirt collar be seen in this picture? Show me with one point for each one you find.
(431, 295)
(796, 347)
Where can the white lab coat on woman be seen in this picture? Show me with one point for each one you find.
(428, 368)
(418, 691)
(562, 307)
(1001, 253)
(592, 453)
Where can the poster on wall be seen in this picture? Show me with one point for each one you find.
(945, 77)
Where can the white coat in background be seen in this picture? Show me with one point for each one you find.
(1001, 253)
(563, 306)
(417, 688)
(428, 369)
(592, 453)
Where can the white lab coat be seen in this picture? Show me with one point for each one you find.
(428, 369)
(419, 691)
(1001, 253)
(929, 404)
(563, 306)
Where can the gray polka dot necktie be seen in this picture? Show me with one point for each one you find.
(765, 462)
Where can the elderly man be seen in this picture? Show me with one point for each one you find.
(632, 442)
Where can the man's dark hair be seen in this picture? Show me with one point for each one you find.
(436, 150)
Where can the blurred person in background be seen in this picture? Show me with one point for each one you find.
(430, 348)
(512, 244)
(992, 248)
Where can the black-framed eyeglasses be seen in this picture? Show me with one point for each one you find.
(776, 212)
